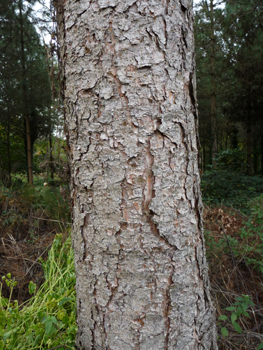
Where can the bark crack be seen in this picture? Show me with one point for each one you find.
(192, 93)
(114, 289)
(165, 30)
(92, 330)
(167, 307)
(183, 8)
(149, 194)
(81, 13)
(113, 74)
(156, 39)
(86, 220)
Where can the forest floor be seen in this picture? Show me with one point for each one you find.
(26, 234)
(233, 279)
(26, 238)
(19, 255)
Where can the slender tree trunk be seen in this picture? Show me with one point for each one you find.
(235, 138)
(25, 103)
(255, 160)
(9, 165)
(9, 179)
(204, 160)
(249, 138)
(249, 146)
(213, 87)
(131, 124)
(51, 163)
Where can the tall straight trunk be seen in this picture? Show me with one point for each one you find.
(255, 159)
(249, 145)
(204, 160)
(249, 135)
(9, 179)
(51, 163)
(25, 103)
(131, 127)
(213, 87)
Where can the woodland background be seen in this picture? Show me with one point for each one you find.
(37, 296)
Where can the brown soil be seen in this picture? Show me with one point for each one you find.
(26, 235)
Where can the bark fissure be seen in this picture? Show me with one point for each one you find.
(86, 220)
(92, 332)
(183, 7)
(149, 186)
(167, 307)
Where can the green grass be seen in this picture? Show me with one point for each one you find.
(48, 319)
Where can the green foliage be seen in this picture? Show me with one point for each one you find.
(247, 246)
(47, 198)
(39, 201)
(48, 319)
(235, 251)
(41, 158)
(230, 255)
(231, 160)
(231, 188)
(32, 287)
(237, 310)
(252, 236)
(24, 86)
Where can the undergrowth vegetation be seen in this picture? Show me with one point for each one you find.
(233, 189)
(48, 319)
(37, 290)
(25, 203)
(233, 220)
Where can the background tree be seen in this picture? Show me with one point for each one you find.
(131, 128)
(25, 87)
(244, 39)
(209, 53)
(238, 78)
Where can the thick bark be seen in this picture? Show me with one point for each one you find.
(142, 280)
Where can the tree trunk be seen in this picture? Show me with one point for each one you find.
(25, 102)
(255, 157)
(249, 139)
(51, 163)
(131, 125)
(213, 87)
(8, 145)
